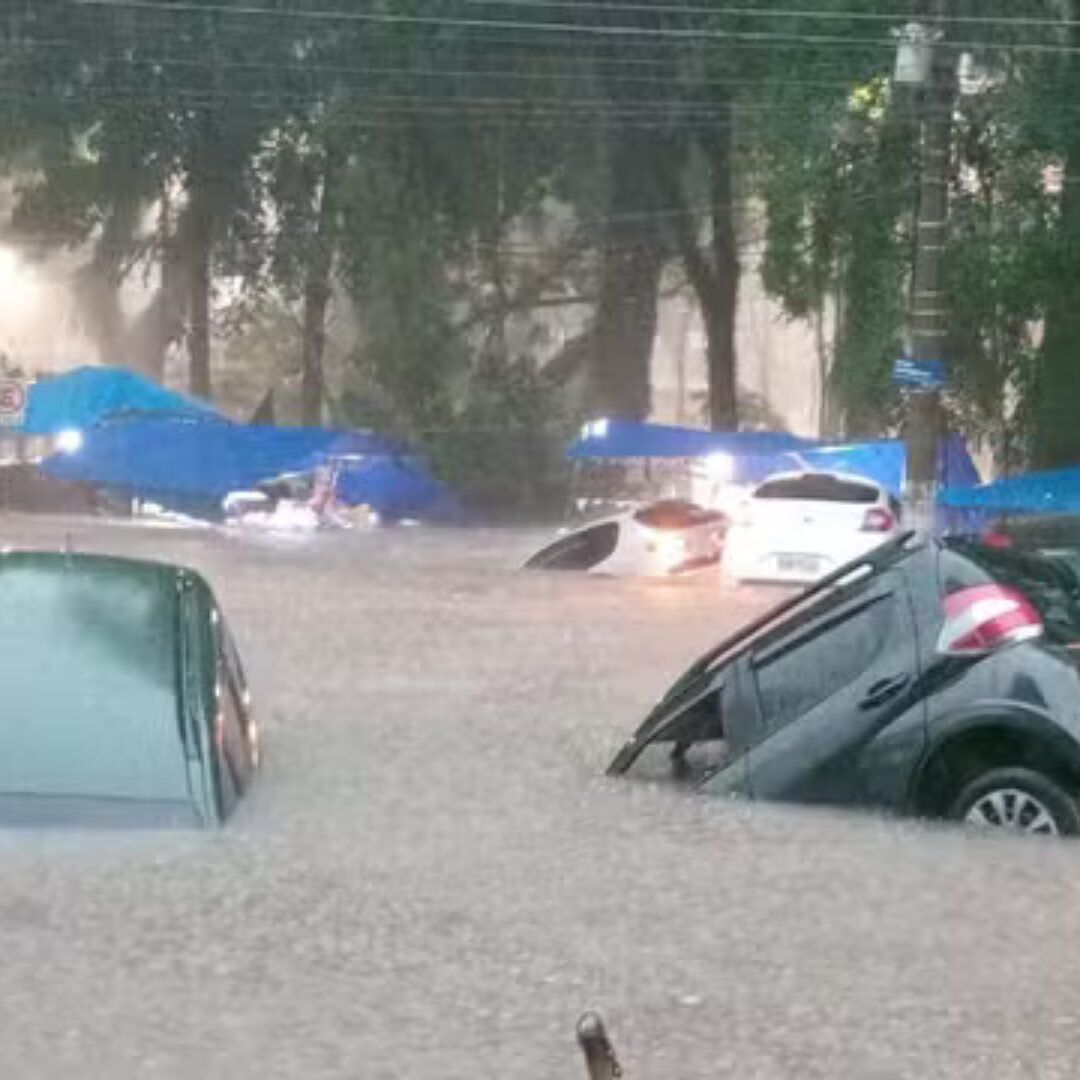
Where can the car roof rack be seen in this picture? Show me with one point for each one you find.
(878, 559)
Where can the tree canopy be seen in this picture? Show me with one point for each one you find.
(452, 172)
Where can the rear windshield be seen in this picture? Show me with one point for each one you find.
(818, 488)
(1048, 583)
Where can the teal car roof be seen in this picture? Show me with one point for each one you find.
(89, 674)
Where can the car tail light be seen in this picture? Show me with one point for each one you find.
(879, 520)
(993, 538)
(987, 617)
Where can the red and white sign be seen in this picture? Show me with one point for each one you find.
(12, 402)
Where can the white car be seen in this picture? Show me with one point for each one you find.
(656, 540)
(797, 527)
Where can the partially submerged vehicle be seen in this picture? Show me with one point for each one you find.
(658, 539)
(937, 679)
(127, 700)
(796, 527)
(295, 503)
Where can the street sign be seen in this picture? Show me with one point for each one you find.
(12, 402)
(921, 374)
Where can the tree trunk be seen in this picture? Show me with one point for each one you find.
(634, 257)
(98, 282)
(317, 290)
(204, 188)
(200, 281)
(721, 305)
(161, 323)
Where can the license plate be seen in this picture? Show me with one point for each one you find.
(797, 564)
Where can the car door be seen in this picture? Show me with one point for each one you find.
(839, 712)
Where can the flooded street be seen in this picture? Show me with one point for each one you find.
(433, 880)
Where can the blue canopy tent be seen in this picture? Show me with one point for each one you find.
(664, 451)
(397, 488)
(1028, 493)
(82, 398)
(757, 454)
(885, 461)
(630, 439)
(189, 465)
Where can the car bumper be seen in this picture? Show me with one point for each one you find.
(799, 564)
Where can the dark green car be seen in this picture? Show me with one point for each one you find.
(125, 699)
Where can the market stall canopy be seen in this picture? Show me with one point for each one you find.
(1029, 493)
(884, 461)
(190, 464)
(86, 396)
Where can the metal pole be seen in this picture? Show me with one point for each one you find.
(600, 1060)
(929, 317)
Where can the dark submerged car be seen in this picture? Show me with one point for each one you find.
(127, 703)
(932, 678)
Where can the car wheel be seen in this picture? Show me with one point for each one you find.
(1020, 800)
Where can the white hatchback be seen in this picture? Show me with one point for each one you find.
(797, 527)
(659, 539)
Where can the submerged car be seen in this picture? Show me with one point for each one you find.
(127, 703)
(667, 537)
(937, 679)
(798, 527)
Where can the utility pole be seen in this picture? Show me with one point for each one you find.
(933, 73)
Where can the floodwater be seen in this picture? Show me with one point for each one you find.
(432, 879)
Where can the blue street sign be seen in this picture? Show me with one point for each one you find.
(923, 374)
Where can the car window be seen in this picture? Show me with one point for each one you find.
(580, 550)
(818, 487)
(793, 678)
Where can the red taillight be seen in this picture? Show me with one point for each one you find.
(987, 617)
(995, 539)
(878, 519)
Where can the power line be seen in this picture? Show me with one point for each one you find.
(306, 66)
(392, 19)
(576, 28)
(637, 34)
(894, 18)
(601, 107)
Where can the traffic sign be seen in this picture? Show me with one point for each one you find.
(12, 402)
(922, 374)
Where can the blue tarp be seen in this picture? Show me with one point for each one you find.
(191, 465)
(84, 397)
(1040, 492)
(630, 439)
(884, 461)
(759, 454)
(396, 487)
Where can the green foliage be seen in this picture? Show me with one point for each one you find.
(155, 136)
